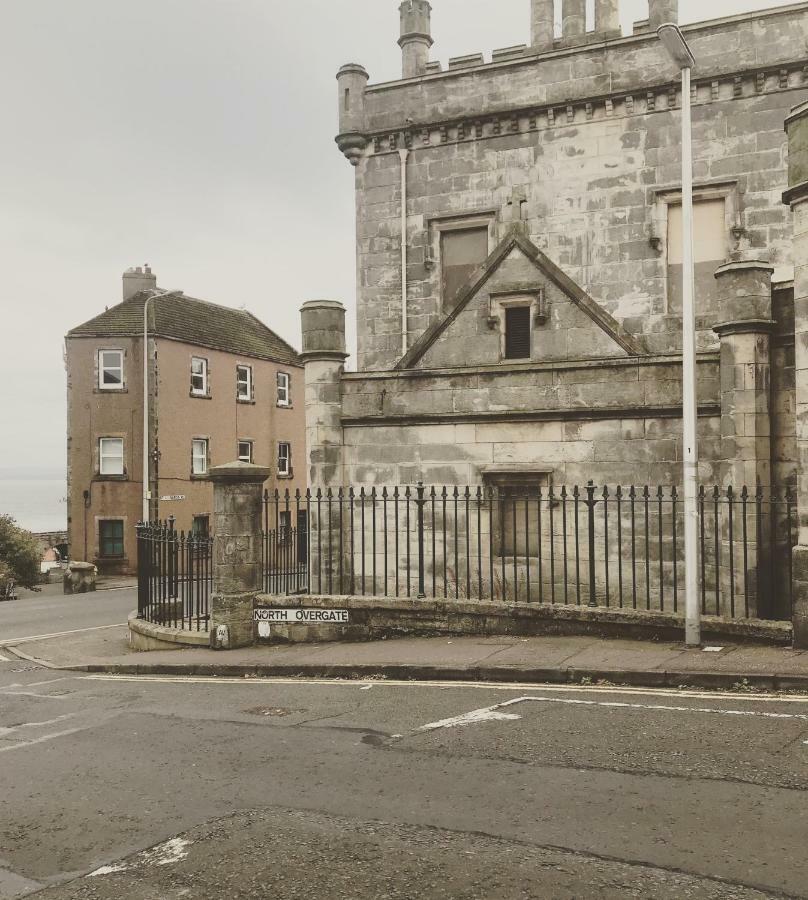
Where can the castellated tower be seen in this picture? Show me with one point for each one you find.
(519, 256)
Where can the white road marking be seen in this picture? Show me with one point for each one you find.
(106, 870)
(168, 853)
(45, 637)
(41, 740)
(712, 649)
(37, 696)
(444, 685)
(11, 687)
(4, 658)
(6, 731)
(491, 714)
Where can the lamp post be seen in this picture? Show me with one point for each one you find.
(676, 45)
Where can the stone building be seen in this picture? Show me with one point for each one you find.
(519, 259)
(222, 386)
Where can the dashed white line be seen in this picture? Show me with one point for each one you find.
(4, 732)
(40, 740)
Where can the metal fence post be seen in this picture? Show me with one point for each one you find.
(421, 501)
(591, 503)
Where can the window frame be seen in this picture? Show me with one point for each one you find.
(203, 534)
(286, 389)
(245, 442)
(484, 218)
(102, 456)
(286, 470)
(204, 374)
(195, 456)
(116, 539)
(250, 383)
(534, 298)
(102, 369)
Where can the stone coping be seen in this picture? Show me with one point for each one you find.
(377, 616)
(166, 634)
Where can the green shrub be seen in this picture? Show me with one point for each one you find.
(20, 554)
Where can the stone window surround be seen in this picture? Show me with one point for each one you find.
(250, 398)
(519, 296)
(723, 189)
(205, 393)
(97, 534)
(103, 476)
(99, 371)
(437, 225)
(245, 442)
(206, 473)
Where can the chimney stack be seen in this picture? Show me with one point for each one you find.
(662, 11)
(607, 18)
(542, 24)
(573, 21)
(416, 37)
(138, 279)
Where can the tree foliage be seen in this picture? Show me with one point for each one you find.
(20, 553)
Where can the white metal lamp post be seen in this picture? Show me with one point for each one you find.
(676, 45)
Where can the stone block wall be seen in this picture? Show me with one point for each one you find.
(583, 146)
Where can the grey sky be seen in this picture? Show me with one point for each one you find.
(196, 135)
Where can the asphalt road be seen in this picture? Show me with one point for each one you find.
(50, 612)
(134, 788)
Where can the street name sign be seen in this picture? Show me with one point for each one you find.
(301, 616)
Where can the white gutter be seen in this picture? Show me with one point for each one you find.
(404, 154)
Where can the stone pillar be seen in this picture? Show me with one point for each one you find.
(607, 18)
(542, 24)
(573, 20)
(324, 355)
(797, 197)
(416, 37)
(662, 11)
(745, 334)
(352, 80)
(237, 538)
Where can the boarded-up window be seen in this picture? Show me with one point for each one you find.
(517, 332)
(461, 252)
(709, 251)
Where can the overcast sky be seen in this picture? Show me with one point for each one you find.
(196, 135)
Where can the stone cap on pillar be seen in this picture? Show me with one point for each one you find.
(739, 265)
(323, 329)
(239, 473)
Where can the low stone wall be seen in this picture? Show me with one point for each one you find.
(145, 636)
(375, 619)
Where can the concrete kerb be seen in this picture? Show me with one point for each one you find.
(772, 682)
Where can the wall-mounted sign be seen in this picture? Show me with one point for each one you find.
(172, 497)
(302, 616)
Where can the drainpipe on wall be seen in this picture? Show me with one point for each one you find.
(404, 154)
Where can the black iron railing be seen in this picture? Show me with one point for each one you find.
(596, 546)
(175, 574)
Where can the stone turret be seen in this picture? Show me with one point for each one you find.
(662, 11)
(416, 37)
(607, 18)
(352, 79)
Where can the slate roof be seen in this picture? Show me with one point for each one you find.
(192, 321)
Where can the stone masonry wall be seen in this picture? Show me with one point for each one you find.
(582, 146)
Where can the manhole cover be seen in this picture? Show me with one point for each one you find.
(274, 711)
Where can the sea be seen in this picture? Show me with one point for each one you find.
(37, 504)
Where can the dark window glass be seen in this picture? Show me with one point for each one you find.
(201, 526)
(517, 332)
(110, 538)
(461, 253)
